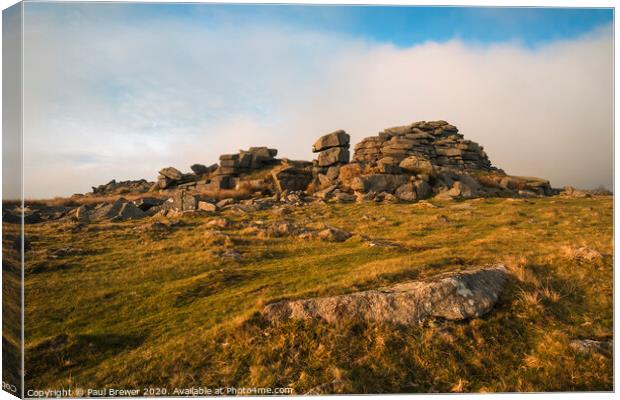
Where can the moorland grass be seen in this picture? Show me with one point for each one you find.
(118, 305)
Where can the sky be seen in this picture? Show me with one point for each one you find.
(118, 91)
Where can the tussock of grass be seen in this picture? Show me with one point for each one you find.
(181, 314)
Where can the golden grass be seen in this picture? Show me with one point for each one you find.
(169, 310)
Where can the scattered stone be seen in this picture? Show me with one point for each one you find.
(452, 296)
(225, 202)
(588, 346)
(81, 214)
(128, 211)
(218, 223)
(146, 203)
(281, 211)
(157, 226)
(425, 204)
(323, 194)
(332, 234)
(334, 387)
(229, 253)
(206, 206)
(342, 197)
(382, 243)
(462, 206)
(583, 253)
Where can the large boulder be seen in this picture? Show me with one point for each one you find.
(422, 189)
(407, 192)
(291, 177)
(128, 211)
(182, 201)
(119, 210)
(338, 138)
(417, 165)
(452, 296)
(81, 214)
(171, 173)
(332, 156)
(348, 172)
(388, 165)
(200, 169)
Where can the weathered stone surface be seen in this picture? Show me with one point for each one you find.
(332, 234)
(388, 165)
(589, 346)
(291, 177)
(333, 172)
(452, 296)
(120, 210)
(225, 202)
(333, 156)
(378, 183)
(171, 173)
(342, 197)
(436, 141)
(81, 214)
(460, 189)
(206, 206)
(113, 187)
(128, 211)
(407, 192)
(349, 171)
(417, 165)
(423, 189)
(338, 138)
(182, 201)
(200, 169)
(146, 203)
(107, 211)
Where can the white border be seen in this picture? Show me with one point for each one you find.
(485, 3)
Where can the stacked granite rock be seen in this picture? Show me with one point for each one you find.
(246, 161)
(435, 141)
(172, 178)
(333, 152)
(114, 187)
(333, 149)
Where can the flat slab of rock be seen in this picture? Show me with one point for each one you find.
(338, 138)
(171, 173)
(453, 296)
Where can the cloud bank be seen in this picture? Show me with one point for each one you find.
(109, 99)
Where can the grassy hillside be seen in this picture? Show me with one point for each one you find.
(132, 305)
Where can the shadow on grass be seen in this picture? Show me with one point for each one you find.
(65, 352)
(214, 282)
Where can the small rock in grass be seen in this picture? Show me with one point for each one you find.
(588, 346)
(332, 234)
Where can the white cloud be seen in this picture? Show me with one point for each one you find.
(107, 99)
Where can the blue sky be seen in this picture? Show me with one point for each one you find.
(118, 91)
(399, 25)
